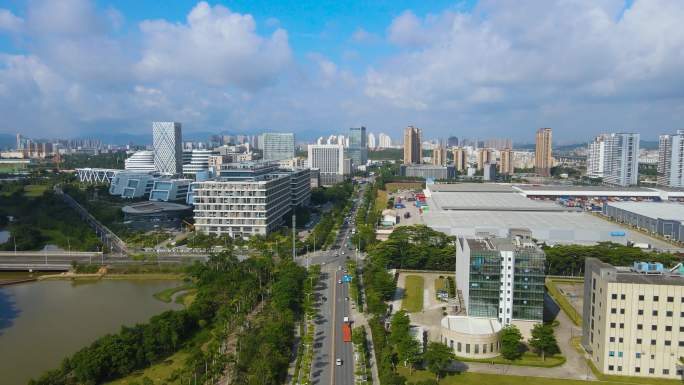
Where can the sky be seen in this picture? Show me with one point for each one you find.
(475, 69)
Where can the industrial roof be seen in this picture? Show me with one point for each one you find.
(471, 325)
(526, 187)
(498, 201)
(664, 210)
(470, 187)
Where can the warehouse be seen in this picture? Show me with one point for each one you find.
(664, 219)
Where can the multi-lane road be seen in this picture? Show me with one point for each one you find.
(335, 303)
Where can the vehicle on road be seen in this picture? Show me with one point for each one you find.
(346, 298)
(339, 281)
(346, 332)
(338, 362)
(346, 319)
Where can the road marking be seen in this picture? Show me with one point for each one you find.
(332, 350)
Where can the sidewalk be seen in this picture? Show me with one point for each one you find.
(360, 319)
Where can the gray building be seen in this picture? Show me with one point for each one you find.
(615, 158)
(278, 146)
(662, 218)
(151, 215)
(132, 184)
(428, 171)
(358, 146)
(168, 147)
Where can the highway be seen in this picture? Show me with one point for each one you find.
(335, 303)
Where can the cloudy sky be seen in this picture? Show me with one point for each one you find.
(468, 68)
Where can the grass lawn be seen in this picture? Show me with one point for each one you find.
(394, 186)
(563, 303)
(496, 379)
(528, 359)
(158, 373)
(167, 294)
(440, 284)
(413, 294)
(35, 190)
(381, 200)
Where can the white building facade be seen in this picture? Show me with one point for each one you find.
(168, 147)
(615, 158)
(329, 159)
(140, 161)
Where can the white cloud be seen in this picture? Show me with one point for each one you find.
(363, 36)
(216, 46)
(10, 22)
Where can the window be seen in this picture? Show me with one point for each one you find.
(484, 348)
(458, 347)
(619, 368)
(612, 325)
(668, 343)
(622, 296)
(637, 370)
(613, 296)
(477, 348)
(638, 341)
(668, 328)
(620, 340)
(611, 339)
(638, 355)
(653, 342)
(654, 327)
(668, 313)
(656, 298)
(651, 371)
(620, 353)
(666, 371)
(640, 326)
(681, 328)
(622, 325)
(611, 354)
(680, 372)
(670, 299)
(491, 347)
(641, 298)
(622, 311)
(681, 344)
(655, 313)
(613, 311)
(467, 348)
(681, 314)
(640, 312)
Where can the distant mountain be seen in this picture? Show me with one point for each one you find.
(146, 139)
(648, 144)
(7, 141)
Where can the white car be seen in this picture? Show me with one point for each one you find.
(338, 362)
(346, 319)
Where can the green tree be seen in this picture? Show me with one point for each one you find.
(426, 382)
(510, 342)
(543, 340)
(437, 358)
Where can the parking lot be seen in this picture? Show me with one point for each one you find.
(415, 217)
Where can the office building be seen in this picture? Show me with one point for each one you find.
(195, 161)
(506, 165)
(671, 160)
(484, 156)
(331, 161)
(132, 184)
(247, 199)
(151, 215)
(372, 144)
(489, 172)
(427, 171)
(413, 151)
(140, 161)
(384, 141)
(633, 319)
(170, 190)
(614, 158)
(300, 185)
(168, 147)
(460, 159)
(452, 141)
(502, 278)
(438, 155)
(358, 146)
(543, 159)
(278, 146)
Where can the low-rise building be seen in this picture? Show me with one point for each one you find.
(633, 319)
(662, 218)
(151, 215)
(132, 184)
(427, 171)
(471, 337)
(170, 190)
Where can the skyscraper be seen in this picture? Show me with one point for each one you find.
(278, 146)
(671, 160)
(413, 152)
(358, 146)
(167, 141)
(372, 144)
(615, 158)
(384, 141)
(460, 159)
(543, 160)
(506, 167)
(484, 156)
(452, 141)
(438, 155)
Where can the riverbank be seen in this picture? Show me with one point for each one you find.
(108, 276)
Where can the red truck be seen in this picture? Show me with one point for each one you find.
(346, 332)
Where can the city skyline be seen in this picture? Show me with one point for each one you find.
(124, 68)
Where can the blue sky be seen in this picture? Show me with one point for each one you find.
(467, 68)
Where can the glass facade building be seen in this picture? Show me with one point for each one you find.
(358, 146)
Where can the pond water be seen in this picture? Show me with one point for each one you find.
(43, 322)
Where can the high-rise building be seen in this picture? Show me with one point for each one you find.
(438, 155)
(413, 152)
(543, 159)
(484, 156)
(506, 166)
(615, 158)
(167, 141)
(372, 144)
(196, 161)
(671, 160)
(452, 141)
(460, 159)
(140, 161)
(384, 141)
(278, 146)
(632, 318)
(331, 162)
(502, 278)
(358, 146)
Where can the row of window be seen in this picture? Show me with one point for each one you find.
(656, 298)
(637, 369)
(668, 313)
(668, 328)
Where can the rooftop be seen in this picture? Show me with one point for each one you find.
(626, 274)
(471, 325)
(664, 210)
(150, 207)
(471, 187)
(495, 201)
(530, 187)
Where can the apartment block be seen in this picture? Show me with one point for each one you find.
(633, 319)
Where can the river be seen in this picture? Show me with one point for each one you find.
(43, 322)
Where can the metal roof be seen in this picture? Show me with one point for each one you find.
(664, 210)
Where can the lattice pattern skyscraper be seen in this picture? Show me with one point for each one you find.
(167, 141)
